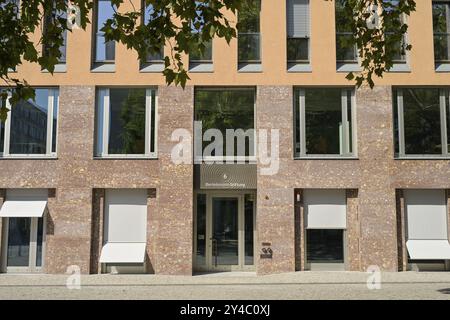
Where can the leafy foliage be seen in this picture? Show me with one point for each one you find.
(182, 25)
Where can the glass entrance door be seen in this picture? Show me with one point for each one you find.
(23, 244)
(224, 231)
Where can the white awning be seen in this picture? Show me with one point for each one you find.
(428, 249)
(121, 252)
(23, 208)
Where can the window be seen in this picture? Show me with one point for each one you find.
(23, 215)
(324, 122)
(297, 31)
(441, 30)
(200, 60)
(345, 53)
(53, 15)
(154, 61)
(126, 122)
(31, 126)
(230, 114)
(326, 222)
(421, 116)
(426, 218)
(125, 230)
(398, 48)
(249, 36)
(104, 51)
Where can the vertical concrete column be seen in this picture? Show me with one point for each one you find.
(71, 209)
(275, 214)
(377, 204)
(353, 231)
(174, 223)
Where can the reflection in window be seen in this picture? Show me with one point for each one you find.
(199, 57)
(249, 37)
(31, 122)
(324, 121)
(157, 55)
(18, 242)
(201, 230)
(49, 27)
(345, 51)
(104, 50)
(297, 30)
(125, 122)
(39, 241)
(248, 228)
(441, 30)
(420, 120)
(224, 109)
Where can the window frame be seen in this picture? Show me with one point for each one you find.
(53, 93)
(199, 159)
(348, 140)
(96, 63)
(447, 34)
(32, 254)
(103, 108)
(443, 104)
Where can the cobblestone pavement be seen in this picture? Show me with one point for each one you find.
(305, 285)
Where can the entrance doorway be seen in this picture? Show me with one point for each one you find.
(225, 233)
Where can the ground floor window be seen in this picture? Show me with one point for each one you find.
(125, 231)
(23, 230)
(325, 214)
(426, 216)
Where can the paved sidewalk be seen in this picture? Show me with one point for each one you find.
(305, 285)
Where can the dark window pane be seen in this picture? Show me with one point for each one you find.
(55, 122)
(297, 49)
(225, 231)
(153, 123)
(249, 31)
(325, 245)
(39, 241)
(206, 56)
(18, 242)
(29, 125)
(447, 108)
(49, 27)
(323, 121)
(344, 50)
(2, 136)
(127, 121)
(396, 128)
(248, 228)
(104, 51)
(249, 15)
(422, 123)
(441, 31)
(297, 123)
(201, 230)
(249, 47)
(226, 109)
(349, 121)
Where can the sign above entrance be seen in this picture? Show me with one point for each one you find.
(226, 176)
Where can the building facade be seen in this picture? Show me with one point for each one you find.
(104, 170)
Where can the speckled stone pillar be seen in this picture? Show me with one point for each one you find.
(174, 221)
(98, 212)
(275, 214)
(71, 211)
(377, 203)
(353, 231)
(152, 208)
